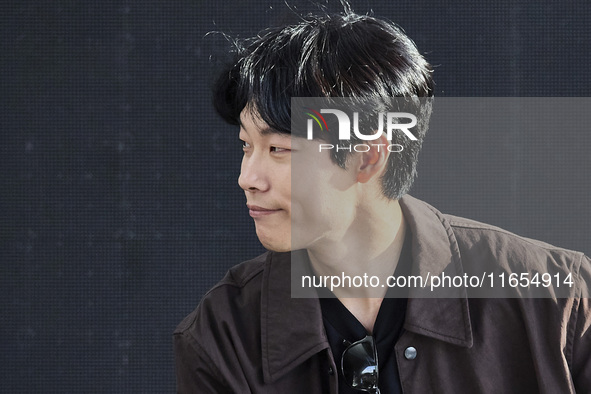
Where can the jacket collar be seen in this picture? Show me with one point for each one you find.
(292, 329)
(443, 314)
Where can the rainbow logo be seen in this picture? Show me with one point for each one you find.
(315, 115)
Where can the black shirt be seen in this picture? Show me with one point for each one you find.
(342, 329)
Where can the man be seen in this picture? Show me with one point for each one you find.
(347, 213)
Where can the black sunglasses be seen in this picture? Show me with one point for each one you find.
(359, 364)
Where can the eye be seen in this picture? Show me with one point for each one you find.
(245, 145)
(277, 149)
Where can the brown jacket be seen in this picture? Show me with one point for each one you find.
(249, 336)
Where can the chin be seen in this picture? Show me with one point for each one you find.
(277, 249)
(275, 244)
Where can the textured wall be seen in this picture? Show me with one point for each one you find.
(119, 203)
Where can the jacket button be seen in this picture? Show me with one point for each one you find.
(410, 353)
(330, 371)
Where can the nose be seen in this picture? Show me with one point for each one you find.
(253, 174)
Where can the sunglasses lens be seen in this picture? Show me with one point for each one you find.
(360, 365)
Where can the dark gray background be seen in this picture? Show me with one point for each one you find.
(119, 202)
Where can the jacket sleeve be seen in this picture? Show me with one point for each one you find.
(581, 360)
(195, 372)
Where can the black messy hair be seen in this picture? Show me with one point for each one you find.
(338, 55)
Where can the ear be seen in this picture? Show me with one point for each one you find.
(374, 161)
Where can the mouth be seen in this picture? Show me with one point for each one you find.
(256, 212)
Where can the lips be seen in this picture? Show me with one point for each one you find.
(255, 211)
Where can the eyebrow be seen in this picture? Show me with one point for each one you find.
(268, 130)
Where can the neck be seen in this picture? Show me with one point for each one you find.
(370, 247)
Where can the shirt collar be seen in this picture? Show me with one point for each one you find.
(292, 329)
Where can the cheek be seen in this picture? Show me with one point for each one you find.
(310, 208)
(286, 184)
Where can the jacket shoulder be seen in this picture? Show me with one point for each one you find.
(492, 248)
(472, 230)
(241, 284)
(218, 337)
